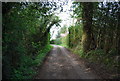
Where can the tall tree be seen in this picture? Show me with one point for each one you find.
(87, 11)
(26, 28)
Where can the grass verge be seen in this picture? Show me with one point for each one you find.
(27, 70)
(105, 64)
(41, 55)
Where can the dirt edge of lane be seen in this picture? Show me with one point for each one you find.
(38, 68)
(96, 68)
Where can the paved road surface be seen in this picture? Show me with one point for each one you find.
(61, 64)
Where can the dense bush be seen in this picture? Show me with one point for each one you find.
(97, 37)
(58, 41)
(75, 35)
(26, 37)
(52, 42)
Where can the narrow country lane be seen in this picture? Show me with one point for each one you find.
(61, 64)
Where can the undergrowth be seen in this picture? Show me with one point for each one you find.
(64, 45)
(26, 69)
(99, 56)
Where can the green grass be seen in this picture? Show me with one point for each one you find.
(98, 56)
(101, 57)
(41, 55)
(26, 69)
(64, 45)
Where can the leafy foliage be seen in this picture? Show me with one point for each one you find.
(75, 35)
(26, 37)
(103, 33)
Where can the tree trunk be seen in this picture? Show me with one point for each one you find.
(87, 24)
